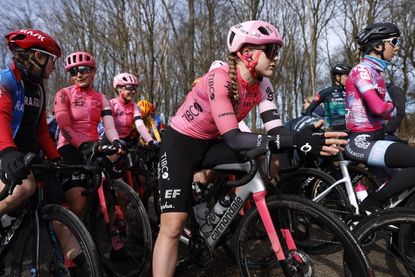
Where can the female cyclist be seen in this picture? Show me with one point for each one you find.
(213, 108)
(23, 110)
(148, 112)
(333, 99)
(125, 111)
(78, 110)
(369, 105)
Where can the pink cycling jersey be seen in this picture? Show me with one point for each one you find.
(207, 111)
(124, 115)
(78, 112)
(366, 106)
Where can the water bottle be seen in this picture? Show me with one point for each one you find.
(219, 209)
(361, 192)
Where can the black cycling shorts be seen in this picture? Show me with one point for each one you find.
(180, 157)
(71, 155)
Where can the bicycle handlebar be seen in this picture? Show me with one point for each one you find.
(252, 156)
(47, 166)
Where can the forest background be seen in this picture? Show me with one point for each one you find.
(169, 43)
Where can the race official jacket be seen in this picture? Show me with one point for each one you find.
(367, 101)
(78, 112)
(23, 115)
(208, 113)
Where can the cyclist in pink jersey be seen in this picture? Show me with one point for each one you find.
(125, 111)
(213, 108)
(78, 110)
(368, 105)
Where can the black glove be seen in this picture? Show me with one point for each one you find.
(153, 146)
(309, 140)
(119, 144)
(87, 147)
(13, 167)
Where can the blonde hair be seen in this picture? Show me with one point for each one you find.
(233, 93)
(309, 99)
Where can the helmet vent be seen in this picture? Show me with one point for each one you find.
(19, 37)
(263, 30)
(231, 37)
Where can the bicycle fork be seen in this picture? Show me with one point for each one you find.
(111, 224)
(287, 265)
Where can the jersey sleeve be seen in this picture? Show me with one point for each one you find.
(6, 106)
(367, 89)
(314, 104)
(218, 86)
(268, 106)
(139, 123)
(108, 120)
(63, 118)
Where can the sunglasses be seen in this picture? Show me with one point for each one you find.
(79, 69)
(131, 88)
(393, 41)
(54, 57)
(271, 50)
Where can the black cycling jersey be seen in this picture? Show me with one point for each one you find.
(334, 101)
(27, 136)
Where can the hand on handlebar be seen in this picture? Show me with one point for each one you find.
(154, 147)
(331, 141)
(314, 141)
(14, 167)
(120, 145)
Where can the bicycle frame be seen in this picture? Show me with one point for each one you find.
(256, 187)
(5, 243)
(394, 202)
(347, 183)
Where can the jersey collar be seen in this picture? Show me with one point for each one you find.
(377, 63)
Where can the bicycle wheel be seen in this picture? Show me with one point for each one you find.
(310, 182)
(307, 222)
(151, 203)
(60, 224)
(388, 239)
(126, 248)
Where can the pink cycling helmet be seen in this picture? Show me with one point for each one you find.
(255, 32)
(124, 79)
(79, 58)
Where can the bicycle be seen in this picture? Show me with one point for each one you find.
(274, 237)
(390, 231)
(125, 248)
(142, 177)
(44, 234)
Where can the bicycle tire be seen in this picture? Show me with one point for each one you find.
(308, 182)
(387, 225)
(135, 258)
(152, 205)
(22, 253)
(251, 236)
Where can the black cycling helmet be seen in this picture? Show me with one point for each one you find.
(377, 32)
(340, 69)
